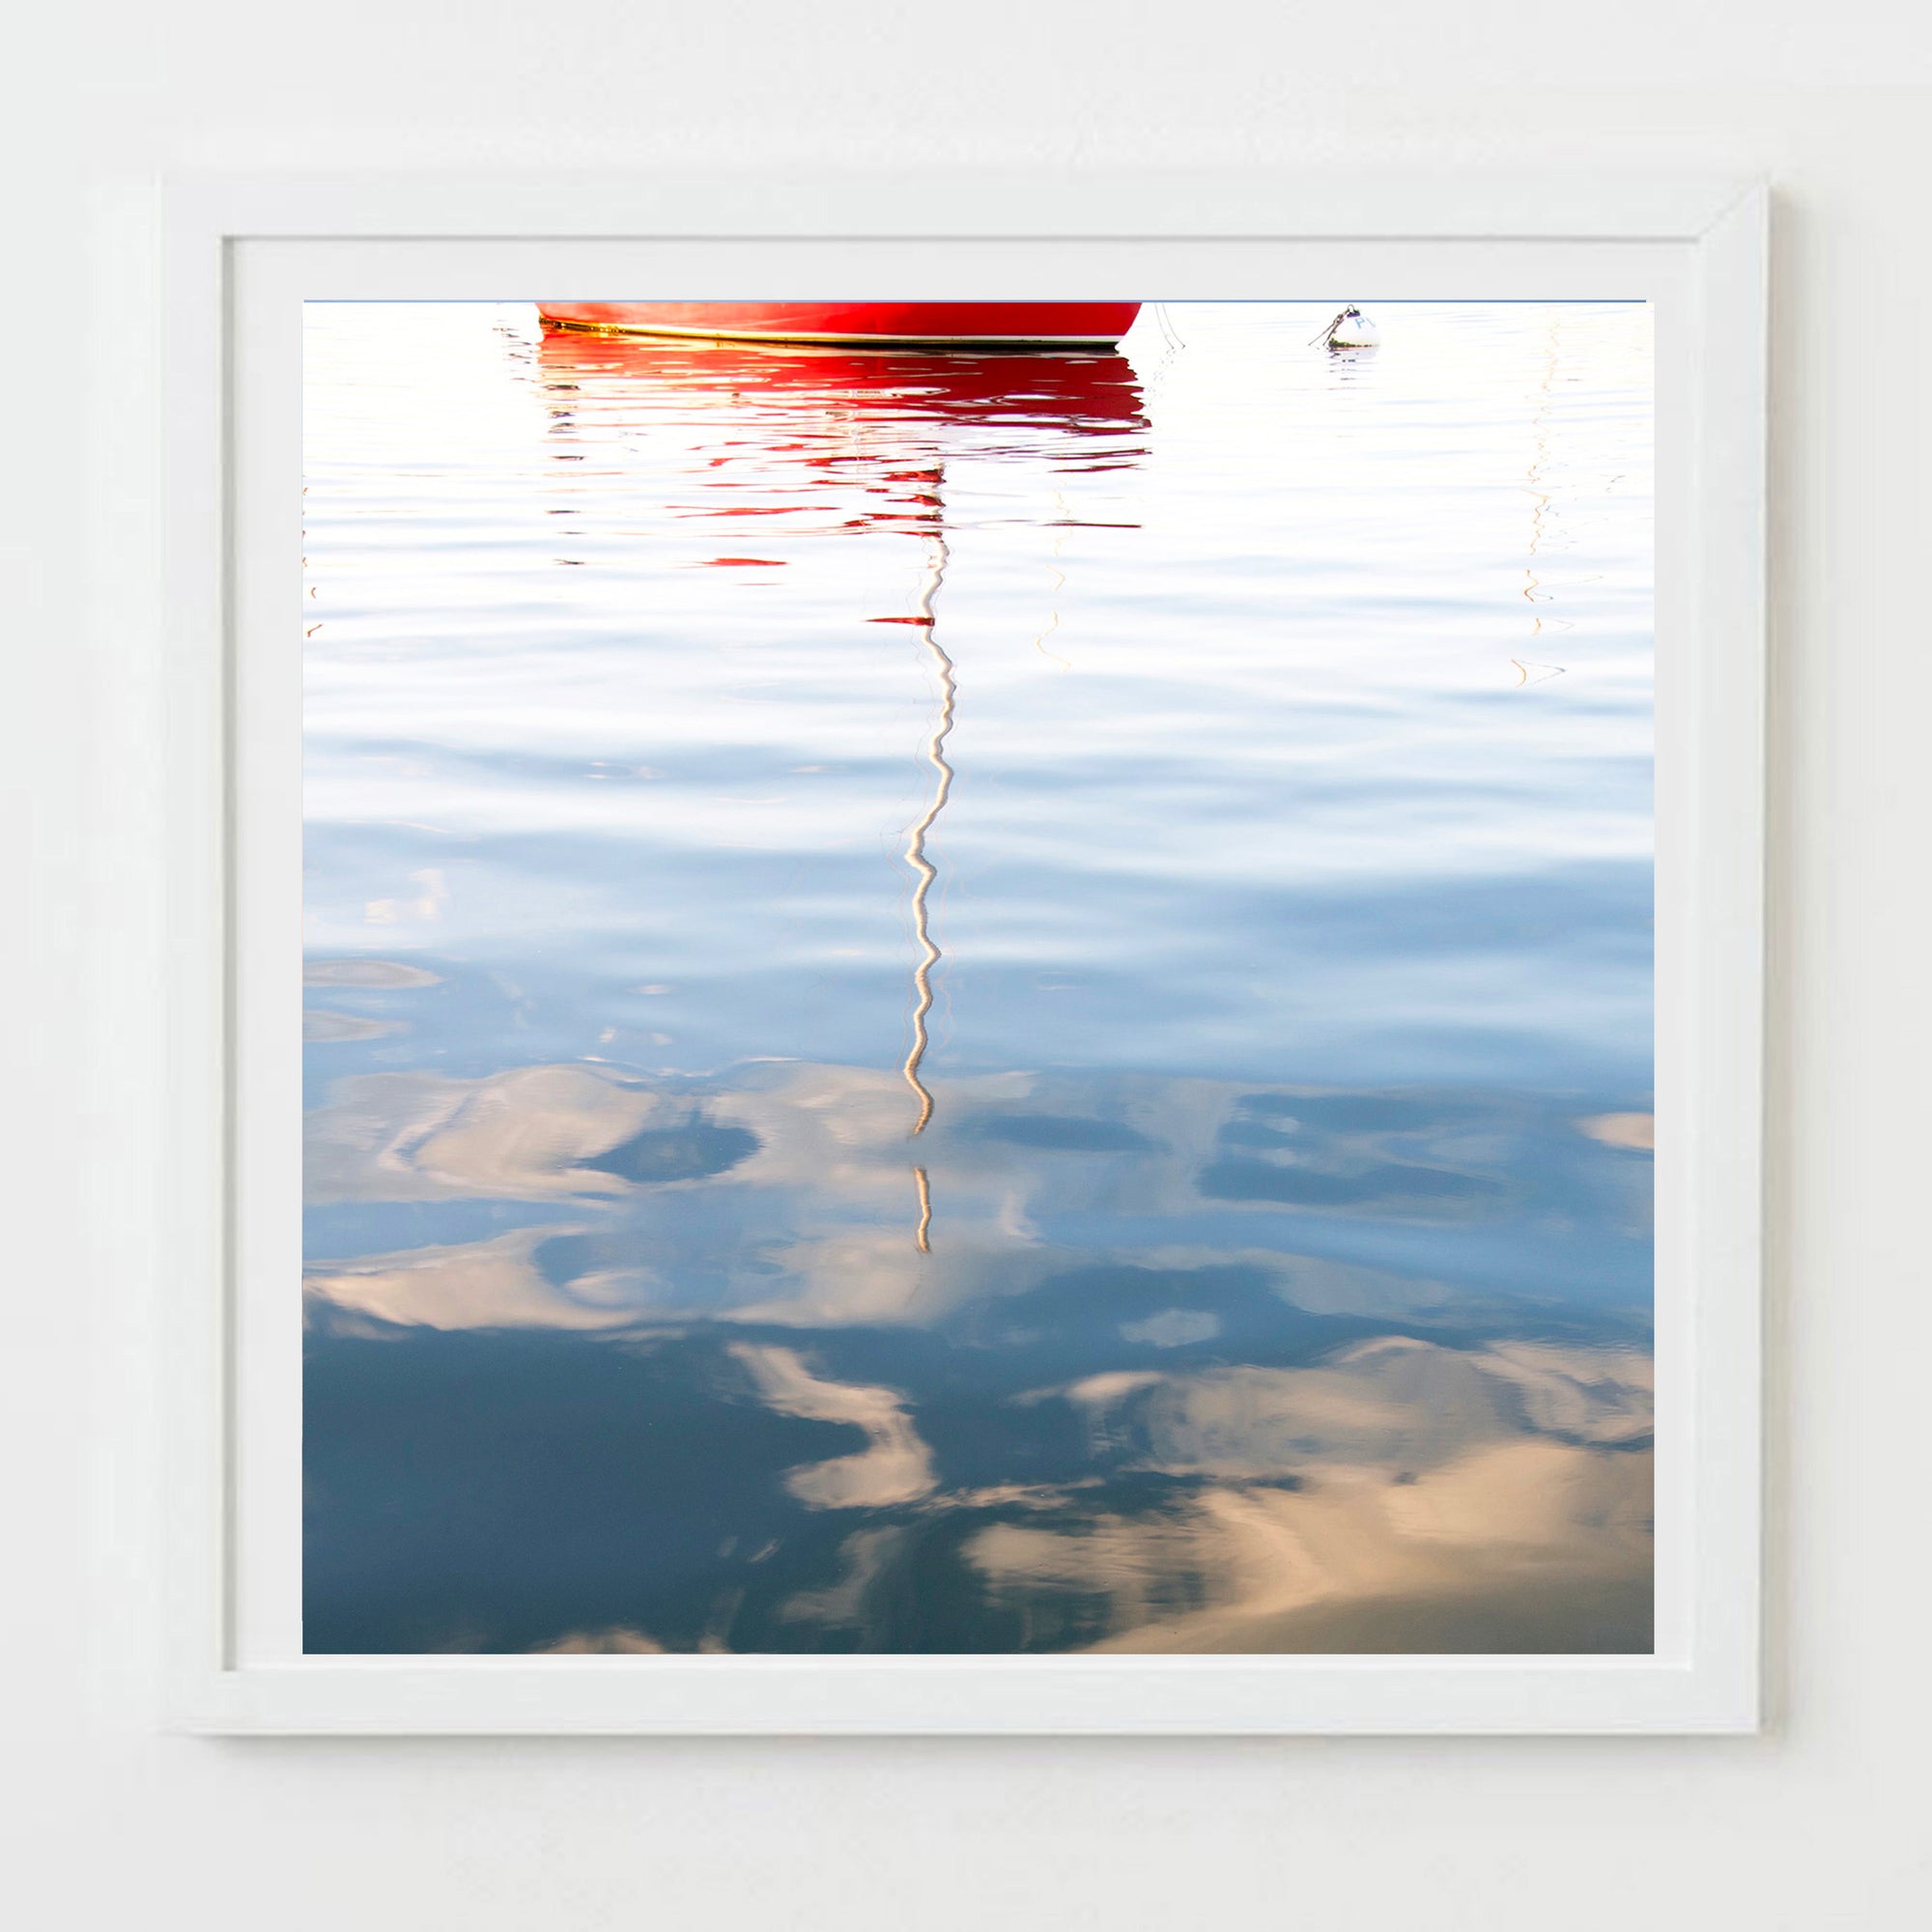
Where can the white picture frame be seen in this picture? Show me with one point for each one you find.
(240, 256)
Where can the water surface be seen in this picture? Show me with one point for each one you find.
(980, 1002)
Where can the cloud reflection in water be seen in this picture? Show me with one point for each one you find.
(1217, 1439)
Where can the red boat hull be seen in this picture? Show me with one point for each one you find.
(932, 325)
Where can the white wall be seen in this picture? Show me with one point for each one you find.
(1819, 1825)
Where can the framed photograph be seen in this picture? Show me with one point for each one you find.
(966, 955)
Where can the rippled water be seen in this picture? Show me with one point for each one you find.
(1117, 1115)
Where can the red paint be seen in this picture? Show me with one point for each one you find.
(935, 325)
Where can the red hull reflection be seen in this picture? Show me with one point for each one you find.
(872, 427)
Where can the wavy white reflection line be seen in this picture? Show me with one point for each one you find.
(922, 868)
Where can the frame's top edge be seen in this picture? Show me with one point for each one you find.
(1549, 202)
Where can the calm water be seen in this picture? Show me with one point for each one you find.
(1115, 1116)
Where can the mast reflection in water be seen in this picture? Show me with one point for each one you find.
(835, 1127)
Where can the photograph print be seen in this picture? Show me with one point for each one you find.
(978, 977)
